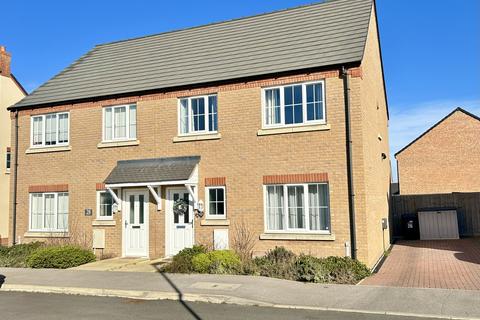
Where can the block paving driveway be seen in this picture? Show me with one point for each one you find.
(446, 264)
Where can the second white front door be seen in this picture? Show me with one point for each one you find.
(135, 223)
(179, 224)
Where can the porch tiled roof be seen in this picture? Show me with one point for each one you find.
(153, 170)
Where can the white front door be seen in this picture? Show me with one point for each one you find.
(179, 227)
(135, 223)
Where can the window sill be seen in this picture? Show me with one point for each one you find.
(7, 172)
(215, 222)
(97, 223)
(297, 236)
(114, 144)
(198, 137)
(48, 149)
(43, 234)
(303, 128)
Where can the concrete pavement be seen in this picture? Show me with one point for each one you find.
(248, 290)
(31, 306)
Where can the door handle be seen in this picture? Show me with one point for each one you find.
(126, 224)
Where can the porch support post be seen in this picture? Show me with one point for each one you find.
(114, 196)
(193, 194)
(157, 196)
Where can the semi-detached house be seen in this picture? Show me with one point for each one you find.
(276, 122)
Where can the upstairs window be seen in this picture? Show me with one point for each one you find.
(198, 115)
(50, 130)
(297, 104)
(120, 123)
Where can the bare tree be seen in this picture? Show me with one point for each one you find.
(243, 240)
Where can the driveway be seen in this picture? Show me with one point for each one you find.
(447, 264)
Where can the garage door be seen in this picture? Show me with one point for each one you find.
(438, 225)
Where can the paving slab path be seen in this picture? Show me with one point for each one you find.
(248, 290)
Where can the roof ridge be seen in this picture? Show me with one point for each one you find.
(317, 3)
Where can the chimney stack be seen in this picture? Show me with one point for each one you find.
(4, 62)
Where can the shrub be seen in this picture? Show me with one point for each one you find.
(344, 270)
(219, 262)
(16, 256)
(60, 257)
(182, 261)
(201, 263)
(310, 269)
(277, 263)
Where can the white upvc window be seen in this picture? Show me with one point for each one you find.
(120, 123)
(297, 208)
(49, 212)
(50, 130)
(216, 202)
(197, 115)
(8, 160)
(294, 104)
(105, 204)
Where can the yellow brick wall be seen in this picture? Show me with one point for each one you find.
(446, 159)
(376, 171)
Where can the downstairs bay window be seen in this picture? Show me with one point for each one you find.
(297, 208)
(49, 212)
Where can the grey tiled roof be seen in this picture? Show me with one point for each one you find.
(152, 170)
(317, 35)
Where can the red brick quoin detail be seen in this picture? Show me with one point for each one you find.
(48, 188)
(100, 186)
(218, 181)
(296, 178)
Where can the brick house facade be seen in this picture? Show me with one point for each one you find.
(444, 159)
(246, 173)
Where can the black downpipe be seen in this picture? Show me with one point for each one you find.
(351, 193)
(15, 174)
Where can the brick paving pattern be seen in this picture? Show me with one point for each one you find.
(446, 264)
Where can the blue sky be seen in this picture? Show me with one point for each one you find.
(431, 48)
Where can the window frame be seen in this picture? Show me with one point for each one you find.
(306, 209)
(44, 133)
(305, 122)
(190, 115)
(208, 216)
(127, 122)
(8, 161)
(43, 229)
(98, 216)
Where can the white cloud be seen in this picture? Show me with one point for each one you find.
(408, 122)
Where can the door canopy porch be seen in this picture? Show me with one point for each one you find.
(151, 173)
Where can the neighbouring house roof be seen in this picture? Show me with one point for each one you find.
(436, 124)
(153, 170)
(19, 85)
(318, 35)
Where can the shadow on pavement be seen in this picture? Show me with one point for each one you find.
(2, 280)
(180, 293)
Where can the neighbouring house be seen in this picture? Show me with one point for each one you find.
(11, 91)
(275, 122)
(444, 159)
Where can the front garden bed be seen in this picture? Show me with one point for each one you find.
(40, 255)
(277, 263)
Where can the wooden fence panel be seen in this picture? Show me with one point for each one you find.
(467, 205)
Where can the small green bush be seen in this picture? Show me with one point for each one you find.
(310, 269)
(277, 263)
(16, 256)
(182, 261)
(218, 262)
(60, 257)
(201, 263)
(345, 270)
